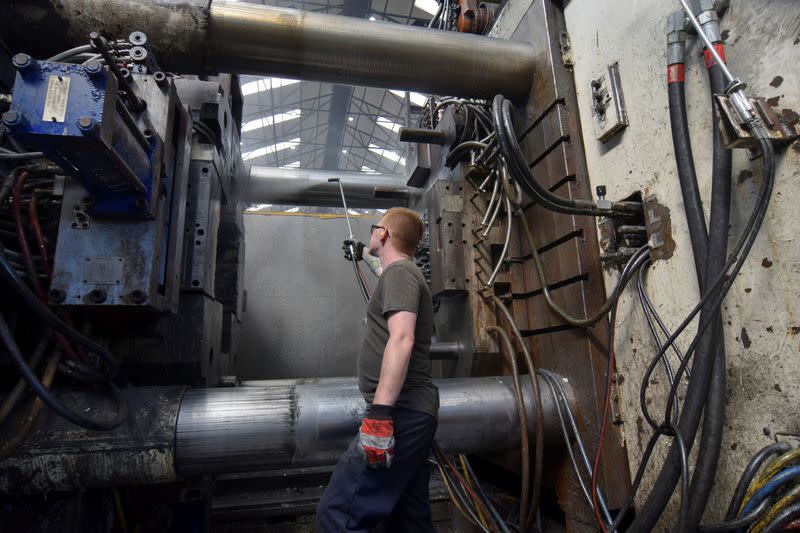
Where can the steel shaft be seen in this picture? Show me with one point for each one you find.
(202, 36)
(273, 185)
(270, 425)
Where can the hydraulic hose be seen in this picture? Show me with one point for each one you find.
(714, 413)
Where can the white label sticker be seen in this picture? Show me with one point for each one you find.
(55, 104)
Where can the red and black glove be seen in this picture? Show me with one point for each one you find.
(376, 436)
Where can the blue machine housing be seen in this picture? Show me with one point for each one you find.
(74, 115)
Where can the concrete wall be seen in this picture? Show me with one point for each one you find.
(762, 311)
(304, 314)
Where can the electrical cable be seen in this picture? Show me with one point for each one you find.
(66, 54)
(497, 518)
(643, 300)
(635, 262)
(33, 216)
(750, 472)
(11, 445)
(11, 278)
(525, 457)
(472, 484)
(42, 392)
(788, 458)
(16, 393)
(736, 523)
(504, 250)
(784, 519)
(781, 478)
(790, 498)
(561, 398)
(20, 156)
(458, 502)
(442, 457)
(538, 426)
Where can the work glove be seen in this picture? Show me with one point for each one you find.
(376, 437)
(358, 247)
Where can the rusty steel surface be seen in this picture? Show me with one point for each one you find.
(552, 145)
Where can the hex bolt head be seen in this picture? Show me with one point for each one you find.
(12, 119)
(126, 74)
(137, 38)
(98, 296)
(57, 296)
(23, 62)
(601, 191)
(137, 297)
(93, 68)
(87, 124)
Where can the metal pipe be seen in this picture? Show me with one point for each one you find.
(423, 135)
(272, 185)
(275, 424)
(202, 36)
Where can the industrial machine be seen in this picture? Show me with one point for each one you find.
(123, 243)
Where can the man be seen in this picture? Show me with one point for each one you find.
(383, 476)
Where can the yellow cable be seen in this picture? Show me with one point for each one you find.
(772, 468)
(453, 498)
(120, 515)
(791, 497)
(469, 480)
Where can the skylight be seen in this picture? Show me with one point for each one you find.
(258, 152)
(417, 99)
(265, 84)
(366, 170)
(428, 6)
(388, 124)
(294, 164)
(388, 154)
(263, 122)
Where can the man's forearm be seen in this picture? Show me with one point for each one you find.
(396, 357)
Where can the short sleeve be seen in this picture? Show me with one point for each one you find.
(401, 290)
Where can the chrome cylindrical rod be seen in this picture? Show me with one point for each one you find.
(202, 36)
(281, 186)
(310, 422)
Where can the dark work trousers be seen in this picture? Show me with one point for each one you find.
(359, 498)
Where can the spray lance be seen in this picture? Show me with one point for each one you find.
(359, 277)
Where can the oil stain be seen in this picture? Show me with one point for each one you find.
(766, 263)
(776, 81)
(746, 339)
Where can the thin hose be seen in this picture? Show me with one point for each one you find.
(16, 284)
(47, 397)
(538, 420)
(11, 400)
(786, 517)
(11, 445)
(71, 52)
(525, 457)
(506, 242)
(736, 523)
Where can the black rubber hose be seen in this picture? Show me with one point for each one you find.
(786, 517)
(47, 397)
(705, 468)
(705, 365)
(692, 204)
(9, 275)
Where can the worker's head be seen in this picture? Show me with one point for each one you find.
(400, 229)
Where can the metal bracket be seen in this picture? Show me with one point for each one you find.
(782, 130)
(609, 115)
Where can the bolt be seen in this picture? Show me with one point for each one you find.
(126, 74)
(87, 125)
(138, 38)
(137, 296)
(93, 68)
(57, 296)
(87, 200)
(23, 62)
(161, 79)
(601, 191)
(12, 119)
(97, 296)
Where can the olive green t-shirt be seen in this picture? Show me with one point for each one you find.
(401, 287)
